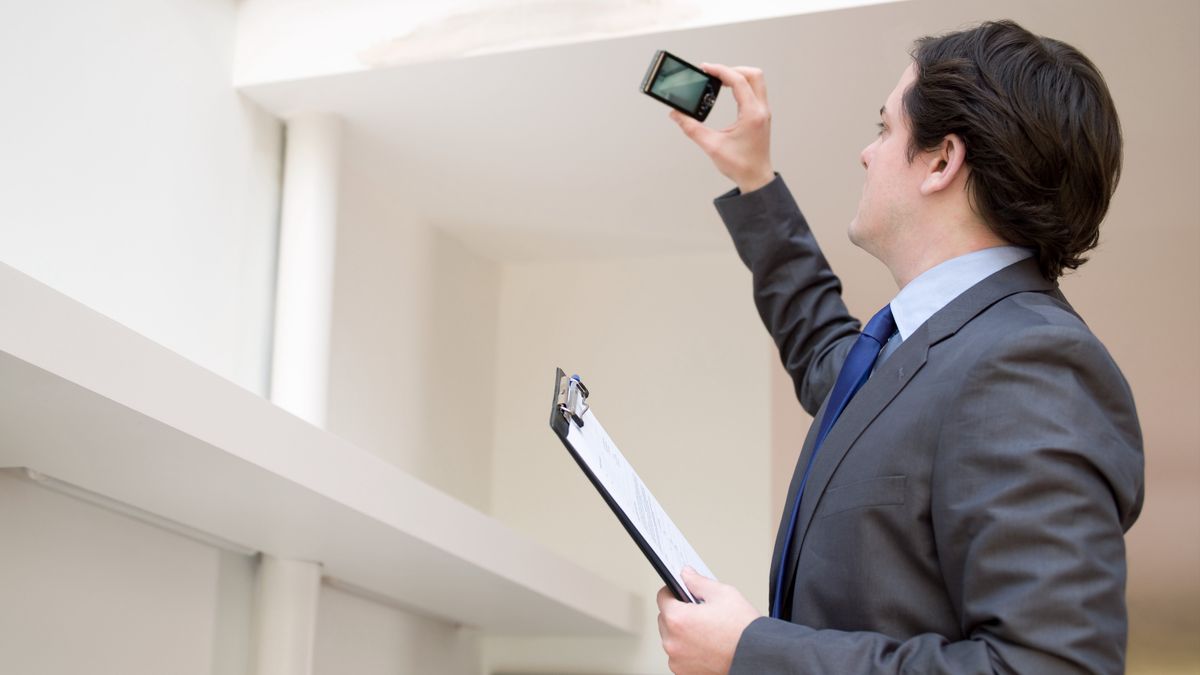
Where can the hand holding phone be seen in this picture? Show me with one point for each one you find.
(681, 85)
(741, 151)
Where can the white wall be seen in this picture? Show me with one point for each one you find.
(413, 344)
(136, 180)
(365, 638)
(85, 590)
(677, 363)
(133, 177)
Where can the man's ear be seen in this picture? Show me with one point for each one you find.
(944, 164)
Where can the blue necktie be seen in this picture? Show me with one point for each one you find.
(854, 373)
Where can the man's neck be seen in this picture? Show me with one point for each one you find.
(938, 247)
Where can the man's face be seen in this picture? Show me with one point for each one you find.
(892, 187)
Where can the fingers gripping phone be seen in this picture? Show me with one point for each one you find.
(681, 85)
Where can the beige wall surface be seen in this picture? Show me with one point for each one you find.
(413, 342)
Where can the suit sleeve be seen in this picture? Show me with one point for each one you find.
(1038, 475)
(797, 295)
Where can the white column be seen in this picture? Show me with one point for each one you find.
(285, 616)
(304, 288)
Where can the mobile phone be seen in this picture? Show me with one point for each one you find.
(680, 85)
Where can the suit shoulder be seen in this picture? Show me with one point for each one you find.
(1032, 329)
(1033, 308)
(1027, 319)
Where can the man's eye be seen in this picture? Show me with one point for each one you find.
(882, 128)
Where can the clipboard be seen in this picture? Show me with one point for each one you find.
(631, 501)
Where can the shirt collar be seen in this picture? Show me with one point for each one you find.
(937, 286)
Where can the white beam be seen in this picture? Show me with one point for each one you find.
(304, 289)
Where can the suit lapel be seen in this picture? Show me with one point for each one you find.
(886, 382)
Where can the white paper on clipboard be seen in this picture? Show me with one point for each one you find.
(600, 454)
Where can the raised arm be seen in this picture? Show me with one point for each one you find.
(798, 296)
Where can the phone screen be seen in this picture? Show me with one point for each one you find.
(680, 84)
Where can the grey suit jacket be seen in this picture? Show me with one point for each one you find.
(966, 513)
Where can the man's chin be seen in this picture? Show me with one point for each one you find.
(852, 232)
(856, 235)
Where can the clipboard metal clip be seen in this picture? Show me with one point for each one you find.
(572, 399)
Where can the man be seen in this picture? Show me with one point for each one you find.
(960, 502)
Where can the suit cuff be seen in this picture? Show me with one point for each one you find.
(765, 645)
(738, 204)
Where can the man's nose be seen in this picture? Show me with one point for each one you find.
(864, 157)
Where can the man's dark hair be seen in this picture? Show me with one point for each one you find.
(1042, 137)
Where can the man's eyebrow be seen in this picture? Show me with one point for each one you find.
(882, 110)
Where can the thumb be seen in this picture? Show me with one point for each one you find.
(699, 585)
(694, 130)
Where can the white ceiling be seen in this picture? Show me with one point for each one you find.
(553, 152)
